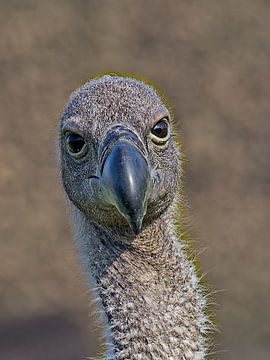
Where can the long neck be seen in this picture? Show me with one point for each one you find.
(149, 293)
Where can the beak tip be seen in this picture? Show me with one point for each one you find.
(136, 226)
(136, 231)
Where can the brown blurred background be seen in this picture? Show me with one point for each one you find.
(211, 59)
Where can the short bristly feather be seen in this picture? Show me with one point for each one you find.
(152, 302)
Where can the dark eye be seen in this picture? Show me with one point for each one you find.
(160, 129)
(160, 132)
(75, 143)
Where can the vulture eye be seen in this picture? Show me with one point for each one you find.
(75, 144)
(160, 132)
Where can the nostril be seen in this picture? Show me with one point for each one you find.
(115, 134)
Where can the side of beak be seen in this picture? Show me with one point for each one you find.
(125, 176)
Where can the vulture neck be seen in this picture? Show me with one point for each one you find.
(150, 296)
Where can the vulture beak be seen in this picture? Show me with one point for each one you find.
(124, 175)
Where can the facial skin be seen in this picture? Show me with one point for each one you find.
(120, 163)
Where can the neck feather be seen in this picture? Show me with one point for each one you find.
(150, 296)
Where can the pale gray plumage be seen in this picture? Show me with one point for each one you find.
(150, 295)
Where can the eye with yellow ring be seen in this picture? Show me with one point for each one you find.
(160, 132)
(75, 144)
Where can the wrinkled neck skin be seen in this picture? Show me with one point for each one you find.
(148, 290)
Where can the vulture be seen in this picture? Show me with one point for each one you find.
(121, 171)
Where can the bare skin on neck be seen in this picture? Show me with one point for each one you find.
(149, 293)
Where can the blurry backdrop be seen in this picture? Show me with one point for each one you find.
(211, 59)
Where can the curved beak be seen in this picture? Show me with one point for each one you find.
(124, 175)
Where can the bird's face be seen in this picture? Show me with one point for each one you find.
(120, 164)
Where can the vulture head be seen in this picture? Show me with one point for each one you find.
(119, 161)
